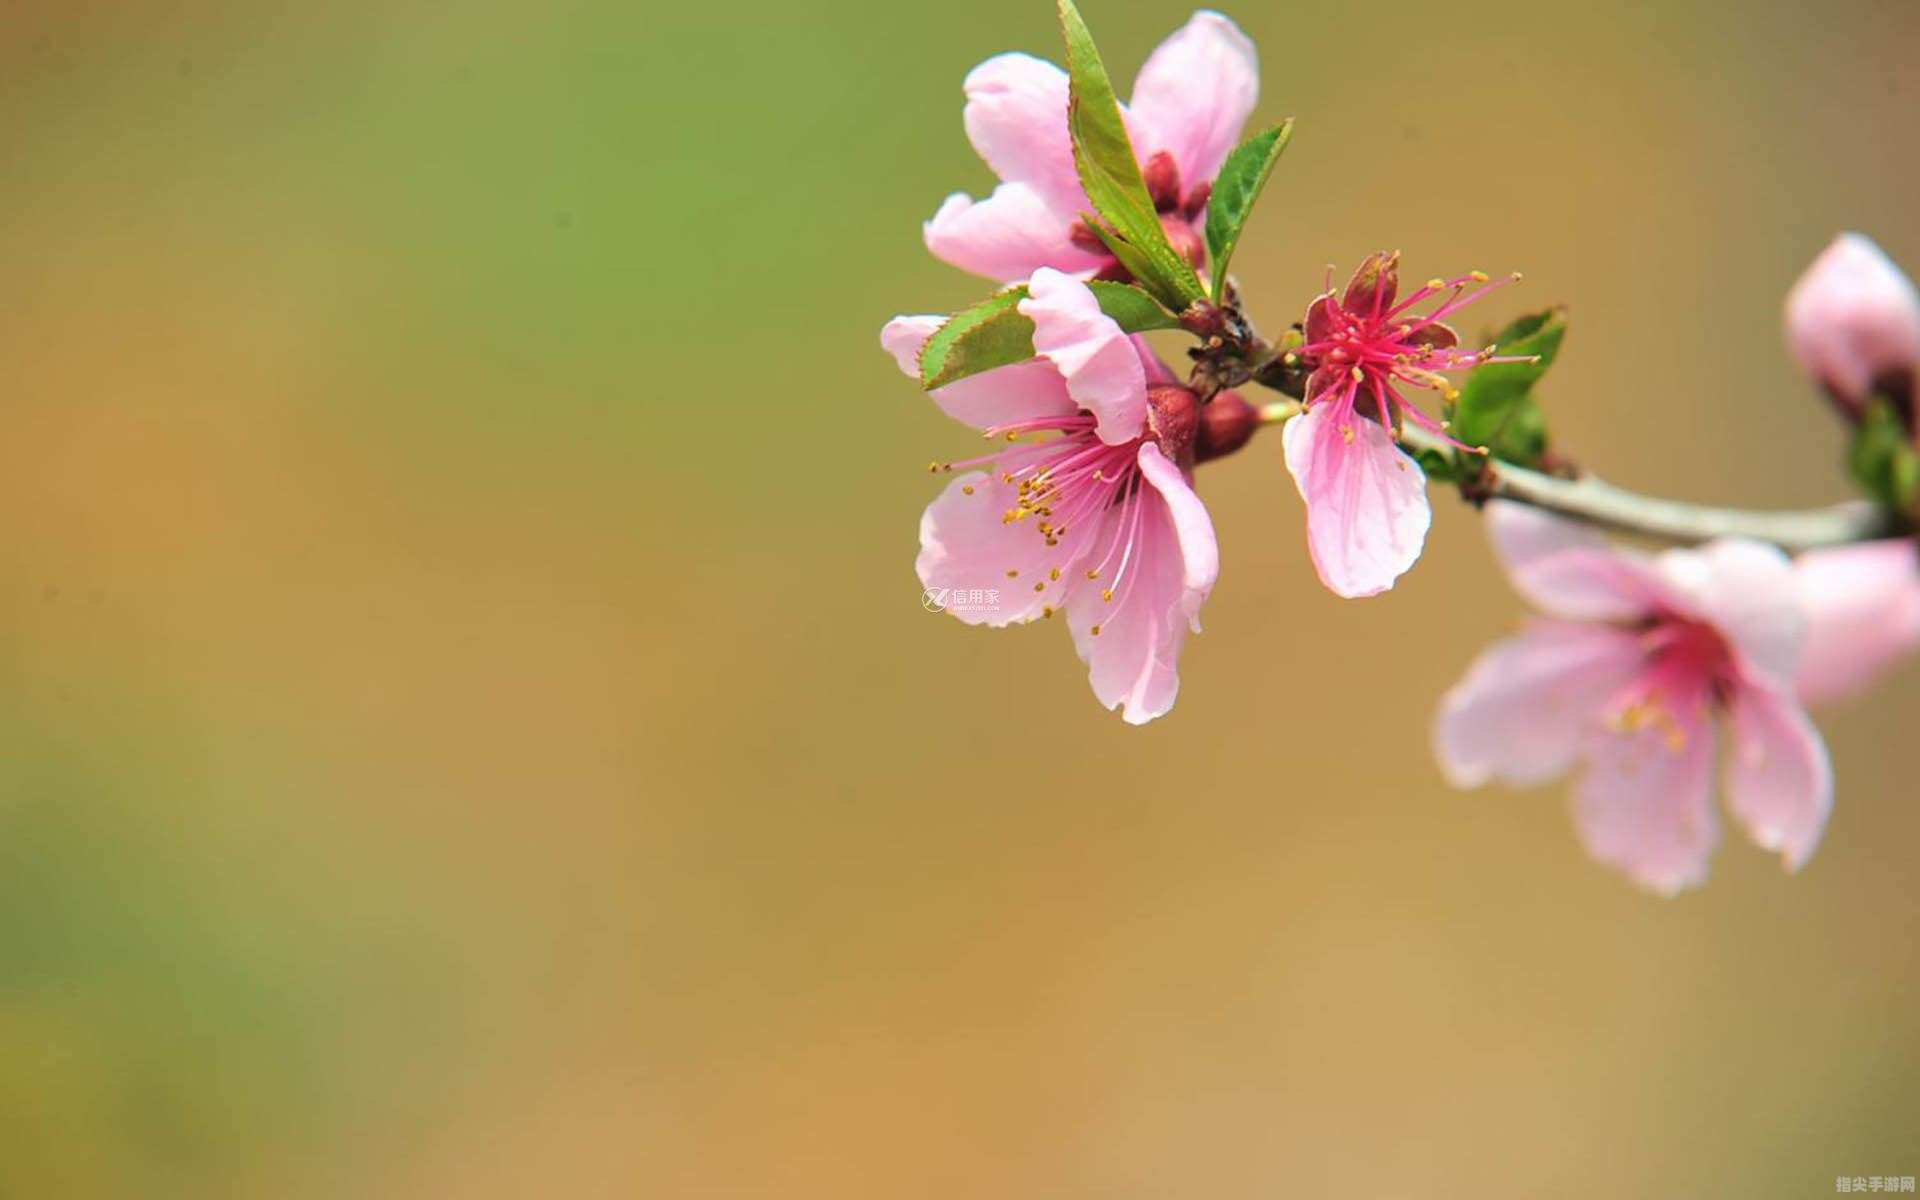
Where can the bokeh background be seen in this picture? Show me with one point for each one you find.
(468, 727)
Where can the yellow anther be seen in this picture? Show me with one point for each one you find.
(1107, 595)
(1516, 277)
(1359, 376)
(1013, 435)
(1436, 284)
(1477, 276)
(1290, 358)
(1054, 574)
(1039, 587)
(1046, 610)
(933, 468)
(1346, 431)
(1013, 573)
(967, 488)
(1093, 574)
(1095, 631)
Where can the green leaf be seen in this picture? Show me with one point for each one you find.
(1236, 188)
(1103, 156)
(991, 334)
(1496, 408)
(1882, 458)
(1131, 308)
(995, 333)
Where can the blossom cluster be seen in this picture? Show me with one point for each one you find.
(1639, 665)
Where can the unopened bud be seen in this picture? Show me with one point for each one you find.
(1853, 323)
(1173, 417)
(1163, 181)
(1226, 424)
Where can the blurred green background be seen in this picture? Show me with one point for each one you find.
(470, 729)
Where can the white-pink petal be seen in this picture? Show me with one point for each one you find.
(1568, 570)
(1133, 661)
(1645, 804)
(1194, 95)
(1863, 615)
(1529, 704)
(1367, 507)
(1006, 236)
(1747, 591)
(1097, 358)
(1778, 777)
(967, 546)
(1016, 117)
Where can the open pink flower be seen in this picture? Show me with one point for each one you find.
(1096, 517)
(1853, 322)
(1367, 508)
(1863, 615)
(1189, 103)
(1640, 658)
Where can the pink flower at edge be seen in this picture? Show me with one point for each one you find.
(1638, 665)
(1190, 100)
(1367, 506)
(1097, 518)
(1853, 323)
(1863, 615)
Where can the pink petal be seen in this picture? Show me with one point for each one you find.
(985, 400)
(1853, 318)
(1367, 508)
(1133, 661)
(1568, 570)
(1002, 396)
(1192, 530)
(1779, 780)
(1529, 703)
(966, 544)
(905, 336)
(1100, 362)
(1005, 237)
(1645, 804)
(1194, 94)
(1017, 119)
(1748, 592)
(1863, 615)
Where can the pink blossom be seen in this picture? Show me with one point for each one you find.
(1853, 322)
(1639, 664)
(1189, 103)
(1863, 615)
(1367, 508)
(1095, 517)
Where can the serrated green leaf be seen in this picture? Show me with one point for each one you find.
(1130, 307)
(995, 333)
(1103, 156)
(1496, 408)
(1882, 458)
(1236, 189)
(990, 334)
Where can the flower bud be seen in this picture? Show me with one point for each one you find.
(1226, 424)
(1853, 323)
(1162, 177)
(1173, 416)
